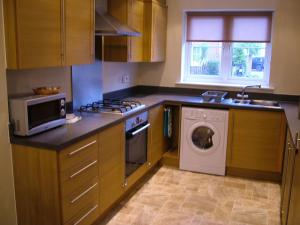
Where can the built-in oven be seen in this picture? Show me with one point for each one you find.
(136, 142)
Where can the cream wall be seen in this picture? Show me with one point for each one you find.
(285, 67)
(22, 81)
(112, 75)
(7, 199)
(286, 46)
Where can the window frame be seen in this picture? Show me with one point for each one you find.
(226, 78)
(226, 68)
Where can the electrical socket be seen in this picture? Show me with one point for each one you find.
(125, 78)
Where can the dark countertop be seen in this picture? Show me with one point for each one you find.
(292, 115)
(91, 123)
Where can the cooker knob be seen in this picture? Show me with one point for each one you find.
(62, 112)
(62, 102)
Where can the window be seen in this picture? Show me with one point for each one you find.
(231, 47)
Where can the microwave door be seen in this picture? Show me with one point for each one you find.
(42, 113)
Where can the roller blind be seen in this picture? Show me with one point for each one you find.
(229, 26)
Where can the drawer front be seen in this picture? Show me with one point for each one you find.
(78, 176)
(86, 216)
(84, 197)
(81, 151)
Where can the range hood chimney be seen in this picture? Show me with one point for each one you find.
(107, 25)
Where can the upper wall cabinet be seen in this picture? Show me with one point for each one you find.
(155, 31)
(148, 17)
(126, 49)
(79, 32)
(48, 33)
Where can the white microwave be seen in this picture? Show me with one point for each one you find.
(34, 114)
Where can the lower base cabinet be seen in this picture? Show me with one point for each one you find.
(294, 205)
(255, 144)
(54, 188)
(157, 144)
(290, 187)
(111, 165)
(287, 177)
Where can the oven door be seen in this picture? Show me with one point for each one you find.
(136, 148)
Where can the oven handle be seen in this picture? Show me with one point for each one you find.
(140, 130)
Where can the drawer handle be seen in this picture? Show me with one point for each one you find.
(81, 148)
(83, 193)
(83, 169)
(86, 215)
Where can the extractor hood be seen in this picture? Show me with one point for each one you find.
(107, 25)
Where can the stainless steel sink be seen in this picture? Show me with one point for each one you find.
(263, 103)
(241, 101)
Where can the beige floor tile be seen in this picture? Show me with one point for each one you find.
(174, 197)
(250, 216)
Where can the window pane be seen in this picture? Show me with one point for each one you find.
(205, 58)
(248, 60)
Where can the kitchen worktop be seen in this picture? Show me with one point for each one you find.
(92, 123)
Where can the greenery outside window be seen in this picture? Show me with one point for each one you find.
(219, 56)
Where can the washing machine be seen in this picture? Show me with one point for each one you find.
(203, 140)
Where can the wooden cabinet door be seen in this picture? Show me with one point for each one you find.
(111, 165)
(294, 207)
(136, 21)
(126, 49)
(33, 30)
(79, 31)
(156, 140)
(155, 31)
(287, 177)
(159, 33)
(256, 140)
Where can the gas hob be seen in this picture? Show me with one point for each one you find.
(113, 106)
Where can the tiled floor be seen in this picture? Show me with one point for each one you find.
(173, 197)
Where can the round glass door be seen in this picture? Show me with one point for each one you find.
(202, 137)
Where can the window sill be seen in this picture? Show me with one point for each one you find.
(224, 87)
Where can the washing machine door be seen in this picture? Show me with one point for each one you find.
(203, 138)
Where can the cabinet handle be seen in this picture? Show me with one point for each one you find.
(82, 148)
(125, 184)
(83, 193)
(85, 215)
(297, 139)
(83, 169)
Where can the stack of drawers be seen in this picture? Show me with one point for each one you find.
(79, 185)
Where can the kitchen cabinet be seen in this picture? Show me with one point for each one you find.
(294, 206)
(157, 144)
(126, 49)
(149, 17)
(79, 32)
(48, 33)
(287, 176)
(111, 165)
(57, 187)
(256, 143)
(155, 31)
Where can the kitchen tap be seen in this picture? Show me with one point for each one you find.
(242, 95)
